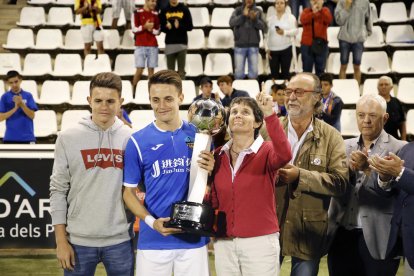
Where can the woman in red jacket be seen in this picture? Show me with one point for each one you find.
(243, 189)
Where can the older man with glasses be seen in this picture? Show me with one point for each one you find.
(316, 173)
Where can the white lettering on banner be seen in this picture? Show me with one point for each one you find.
(2, 232)
(43, 208)
(24, 232)
(49, 229)
(25, 208)
(7, 208)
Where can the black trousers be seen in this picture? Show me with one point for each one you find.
(349, 256)
(280, 64)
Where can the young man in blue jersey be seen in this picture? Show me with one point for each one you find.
(159, 155)
(18, 108)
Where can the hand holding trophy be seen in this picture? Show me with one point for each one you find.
(192, 215)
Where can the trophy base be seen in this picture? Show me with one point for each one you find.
(192, 217)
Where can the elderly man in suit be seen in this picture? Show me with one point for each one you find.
(363, 215)
(396, 174)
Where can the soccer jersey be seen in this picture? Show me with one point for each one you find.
(161, 160)
(19, 127)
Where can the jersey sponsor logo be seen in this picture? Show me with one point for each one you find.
(104, 158)
(174, 165)
(189, 141)
(157, 146)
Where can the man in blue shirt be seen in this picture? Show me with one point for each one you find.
(18, 108)
(159, 155)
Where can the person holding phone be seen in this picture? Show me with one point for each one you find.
(282, 29)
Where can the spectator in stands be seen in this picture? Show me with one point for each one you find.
(123, 116)
(225, 85)
(206, 86)
(354, 17)
(363, 216)
(89, 217)
(331, 103)
(247, 22)
(281, 32)
(314, 43)
(396, 123)
(91, 24)
(18, 108)
(162, 4)
(331, 5)
(175, 22)
(294, 6)
(278, 94)
(117, 6)
(145, 26)
(245, 171)
(316, 173)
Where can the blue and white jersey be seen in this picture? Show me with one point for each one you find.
(161, 160)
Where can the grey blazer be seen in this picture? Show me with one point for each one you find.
(375, 210)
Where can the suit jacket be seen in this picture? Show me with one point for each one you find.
(403, 215)
(375, 210)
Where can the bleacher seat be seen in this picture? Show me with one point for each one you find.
(111, 40)
(402, 61)
(225, 2)
(393, 12)
(220, 17)
(141, 93)
(31, 87)
(67, 65)
(39, 2)
(73, 40)
(250, 86)
(406, 90)
(374, 13)
(200, 16)
(37, 65)
(49, 39)
(80, 92)
(193, 65)
(411, 17)
(107, 18)
(71, 118)
(220, 39)
(347, 89)
(198, 2)
(189, 91)
(183, 114)
(127, 42)
(139, 2)
(161, 41)
(376, 39)
(2, 88)
(196, 40)
(371, 87)
(400, 36)
(93, 65)
(218, 64)
(54, 92)
(127, 92)
(349, 125)
(125, 65)
(333, 42)
(141, 118)
(374, 63)
(45, 123)
(60, 16)
(19, 39)
(65, 2)
(32, 17)
(410, 122)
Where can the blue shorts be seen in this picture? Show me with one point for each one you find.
(356, 48)
(146, 53)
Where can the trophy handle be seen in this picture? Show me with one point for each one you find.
(198, 176)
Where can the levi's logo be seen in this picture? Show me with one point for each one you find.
(103, 158)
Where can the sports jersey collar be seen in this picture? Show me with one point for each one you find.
(162, 130)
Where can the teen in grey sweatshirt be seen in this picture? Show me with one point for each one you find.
(86, 184)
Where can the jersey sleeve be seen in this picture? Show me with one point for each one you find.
(31, 103)
(133, 166)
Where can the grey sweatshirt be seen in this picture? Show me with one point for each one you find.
(246, 31)
(86, 184)
(356, 23)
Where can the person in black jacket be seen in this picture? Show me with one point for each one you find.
(176, 21)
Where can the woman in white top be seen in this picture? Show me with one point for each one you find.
(282, 30)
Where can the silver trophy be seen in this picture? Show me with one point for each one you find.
(192, 215)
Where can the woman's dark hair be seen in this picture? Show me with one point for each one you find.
(257, 112)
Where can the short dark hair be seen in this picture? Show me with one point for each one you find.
(226, 79)
(12, 74)
(328, 77)
(166, 77)
(257, 112)
(106, 80)
(275, 87)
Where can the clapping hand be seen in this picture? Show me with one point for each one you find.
(387, 167)
(149, 25)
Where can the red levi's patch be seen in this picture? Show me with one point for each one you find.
(105, 159)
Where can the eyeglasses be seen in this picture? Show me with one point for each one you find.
(299, 92)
